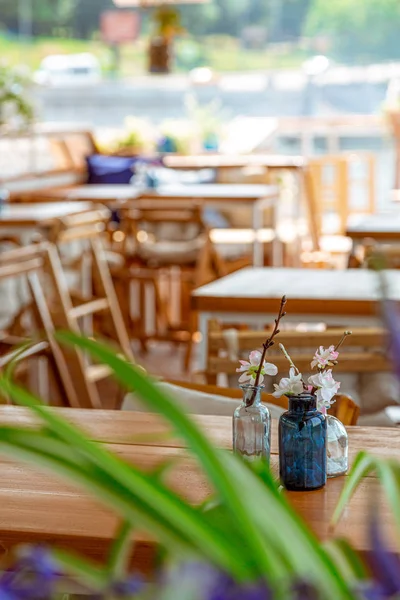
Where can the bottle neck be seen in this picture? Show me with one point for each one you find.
(251, 394)
(302, 403)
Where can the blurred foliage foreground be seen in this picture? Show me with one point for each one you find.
(244, 543)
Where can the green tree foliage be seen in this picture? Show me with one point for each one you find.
(360, 30)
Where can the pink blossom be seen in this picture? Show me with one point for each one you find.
(325, 358)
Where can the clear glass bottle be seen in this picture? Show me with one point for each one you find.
(337, 447)
(302, 445)
(252, 426)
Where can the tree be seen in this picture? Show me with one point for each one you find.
(359, 29)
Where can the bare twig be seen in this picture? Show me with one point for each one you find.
(270, 341)
(342, 339)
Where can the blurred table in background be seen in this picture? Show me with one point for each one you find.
(383, 227)
(101, 194)
(39, 215)
(257, 198)
(336, 297)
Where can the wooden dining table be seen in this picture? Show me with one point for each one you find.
(336, 297)
(42, 507)
(234, 161)
(276, 164)
(39, 215)
(257, 198)
(101, 194)
(382, 227)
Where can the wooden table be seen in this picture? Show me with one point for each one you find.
(101, 194)
(39, 215)
(41, 508)
(274, 163)
(384, 227)
(235, 161)
(257, 197)
(344, 298)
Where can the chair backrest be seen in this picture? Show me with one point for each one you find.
(227, 392)
(83, 225)
(344, 408)
(103, 300)
(364, 351)
(29, 262)
(335, 179)
(176, 221)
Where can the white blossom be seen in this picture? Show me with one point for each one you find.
(288, 386)
(249, 368)
(326, 387)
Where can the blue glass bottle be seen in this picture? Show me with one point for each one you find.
(252, 426)
(302, 445)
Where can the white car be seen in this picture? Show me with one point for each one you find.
(68, 70)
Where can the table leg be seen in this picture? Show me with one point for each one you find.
(203, 346)
(258, 247)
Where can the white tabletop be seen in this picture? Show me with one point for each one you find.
(103, 192)
(309, 291)
(382, 223)
(221, 191)
(235, 160)
(38, 213)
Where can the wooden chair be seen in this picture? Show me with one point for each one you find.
(86, 227)
(29, 262)
(364, 351)
(344, 408)
(170, 254)
(335, 180)
(329, 183)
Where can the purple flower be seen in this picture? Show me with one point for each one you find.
(33, 577)
(391, 318)
(384, 565)
(127, 588)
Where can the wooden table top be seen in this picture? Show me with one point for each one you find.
(202, 161)
(107, 194)
(384, 226)
(39, 507)
(224, 192)
(309, 291)
(39, 214)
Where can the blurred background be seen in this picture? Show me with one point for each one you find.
(132, 70)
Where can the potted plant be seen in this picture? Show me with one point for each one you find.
(167, 24)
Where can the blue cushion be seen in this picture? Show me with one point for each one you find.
(110, 169)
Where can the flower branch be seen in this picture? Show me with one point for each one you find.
(270, 341)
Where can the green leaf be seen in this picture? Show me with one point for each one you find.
(158, 499)
(389, 474)
(286, 534)
(346, 559)
(132, 377)
(118, 561)
(81, 569)
(363, 464)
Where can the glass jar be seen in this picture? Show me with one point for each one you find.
(252, 426)
(337, 447)
(302, 445)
